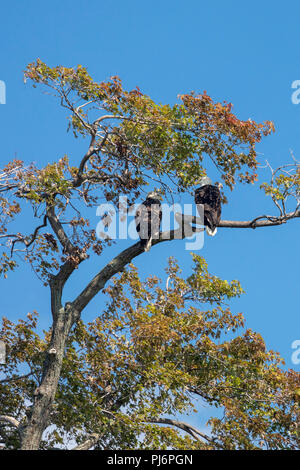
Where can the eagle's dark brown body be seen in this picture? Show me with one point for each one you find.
(209, 196)
(148, 219)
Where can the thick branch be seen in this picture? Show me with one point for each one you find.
(10, 420)
(194, 432)
(184, 426)
(120, 261)
(75, 256)
(90, 442)
(57, 227)
(85, 159)
(113, 267)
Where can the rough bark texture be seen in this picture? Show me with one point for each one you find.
(65, 317)
(45, 393)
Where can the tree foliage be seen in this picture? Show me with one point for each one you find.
(161, 347)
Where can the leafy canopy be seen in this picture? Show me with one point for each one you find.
(160, 344)
(152, 352)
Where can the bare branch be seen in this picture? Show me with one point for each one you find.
(107, 116)
(90, 442)
(57, 227)
(92, 149)
(10, 420)
(26, 242)
(19, 377)
(70, 106)
(269, 221)
(185, 427)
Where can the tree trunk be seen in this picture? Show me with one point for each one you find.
(44, 395)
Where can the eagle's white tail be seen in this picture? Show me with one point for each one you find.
(210, 232)
(148, 244)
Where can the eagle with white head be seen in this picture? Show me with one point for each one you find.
(209, 196)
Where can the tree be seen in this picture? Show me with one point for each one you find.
(157, 345)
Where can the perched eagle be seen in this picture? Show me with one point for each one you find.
(148, 219)
(209, 196)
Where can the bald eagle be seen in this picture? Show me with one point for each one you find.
(148, 219)
(210, 197)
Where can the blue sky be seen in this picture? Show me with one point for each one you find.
(246, 54)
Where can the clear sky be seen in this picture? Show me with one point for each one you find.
(244, 53)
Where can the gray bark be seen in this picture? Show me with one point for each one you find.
(44, 395)
(65, 317)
